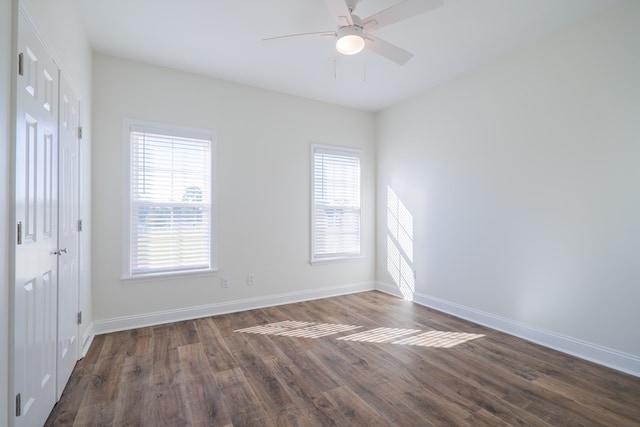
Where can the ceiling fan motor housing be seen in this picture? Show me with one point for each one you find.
(350, 38)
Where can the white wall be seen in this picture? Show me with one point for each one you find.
(262, 185)
(59, 25)
(6, 25)
(522, 179)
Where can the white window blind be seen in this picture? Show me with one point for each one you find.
(170, 202)
(336, 200)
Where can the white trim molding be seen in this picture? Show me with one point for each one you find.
(159, 317)
(601, 355)
(87, 339)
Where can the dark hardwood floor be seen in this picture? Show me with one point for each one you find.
(367, 359)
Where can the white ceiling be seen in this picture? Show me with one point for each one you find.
(223, 39)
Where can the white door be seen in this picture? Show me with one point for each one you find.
(36, 194)
(68, 215)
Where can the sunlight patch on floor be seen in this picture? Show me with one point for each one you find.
(399, 336)
(380, 335)
(438, 339)
(290, 328)
(274, 328)
(319, 330)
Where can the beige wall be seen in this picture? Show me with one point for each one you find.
(522, 180)
(261, 182)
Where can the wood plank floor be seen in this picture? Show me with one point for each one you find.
(367, 359)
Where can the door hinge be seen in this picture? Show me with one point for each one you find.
(18, 405)
(79, 317)
(21, 64)
(79, 132)
(79, 225)
(19, 237)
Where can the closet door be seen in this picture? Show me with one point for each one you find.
(68, 227)
(36, 251)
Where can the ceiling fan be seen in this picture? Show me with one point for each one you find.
(354, 34)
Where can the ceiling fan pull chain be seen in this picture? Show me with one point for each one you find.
(364, 68)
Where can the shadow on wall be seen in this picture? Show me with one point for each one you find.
(400, 245)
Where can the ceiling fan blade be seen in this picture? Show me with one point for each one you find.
(399, 12)
(317, 35)
(387, 50)
(340, 12)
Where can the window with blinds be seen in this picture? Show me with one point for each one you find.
(336, 203)
(170, 221)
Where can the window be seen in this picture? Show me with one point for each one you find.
(170, 201)
(336, 218)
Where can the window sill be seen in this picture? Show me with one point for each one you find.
(331, 260)
(168, 276)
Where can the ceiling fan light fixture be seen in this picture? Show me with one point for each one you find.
(350, 40)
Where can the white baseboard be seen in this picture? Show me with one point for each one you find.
(592, 352)
(87, 339)
(156, 318)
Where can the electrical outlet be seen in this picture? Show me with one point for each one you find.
(251, 279)
(225, 282)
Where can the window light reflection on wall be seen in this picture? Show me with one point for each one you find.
(400, 245)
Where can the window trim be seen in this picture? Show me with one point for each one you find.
(341, 150)
(165, 129)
